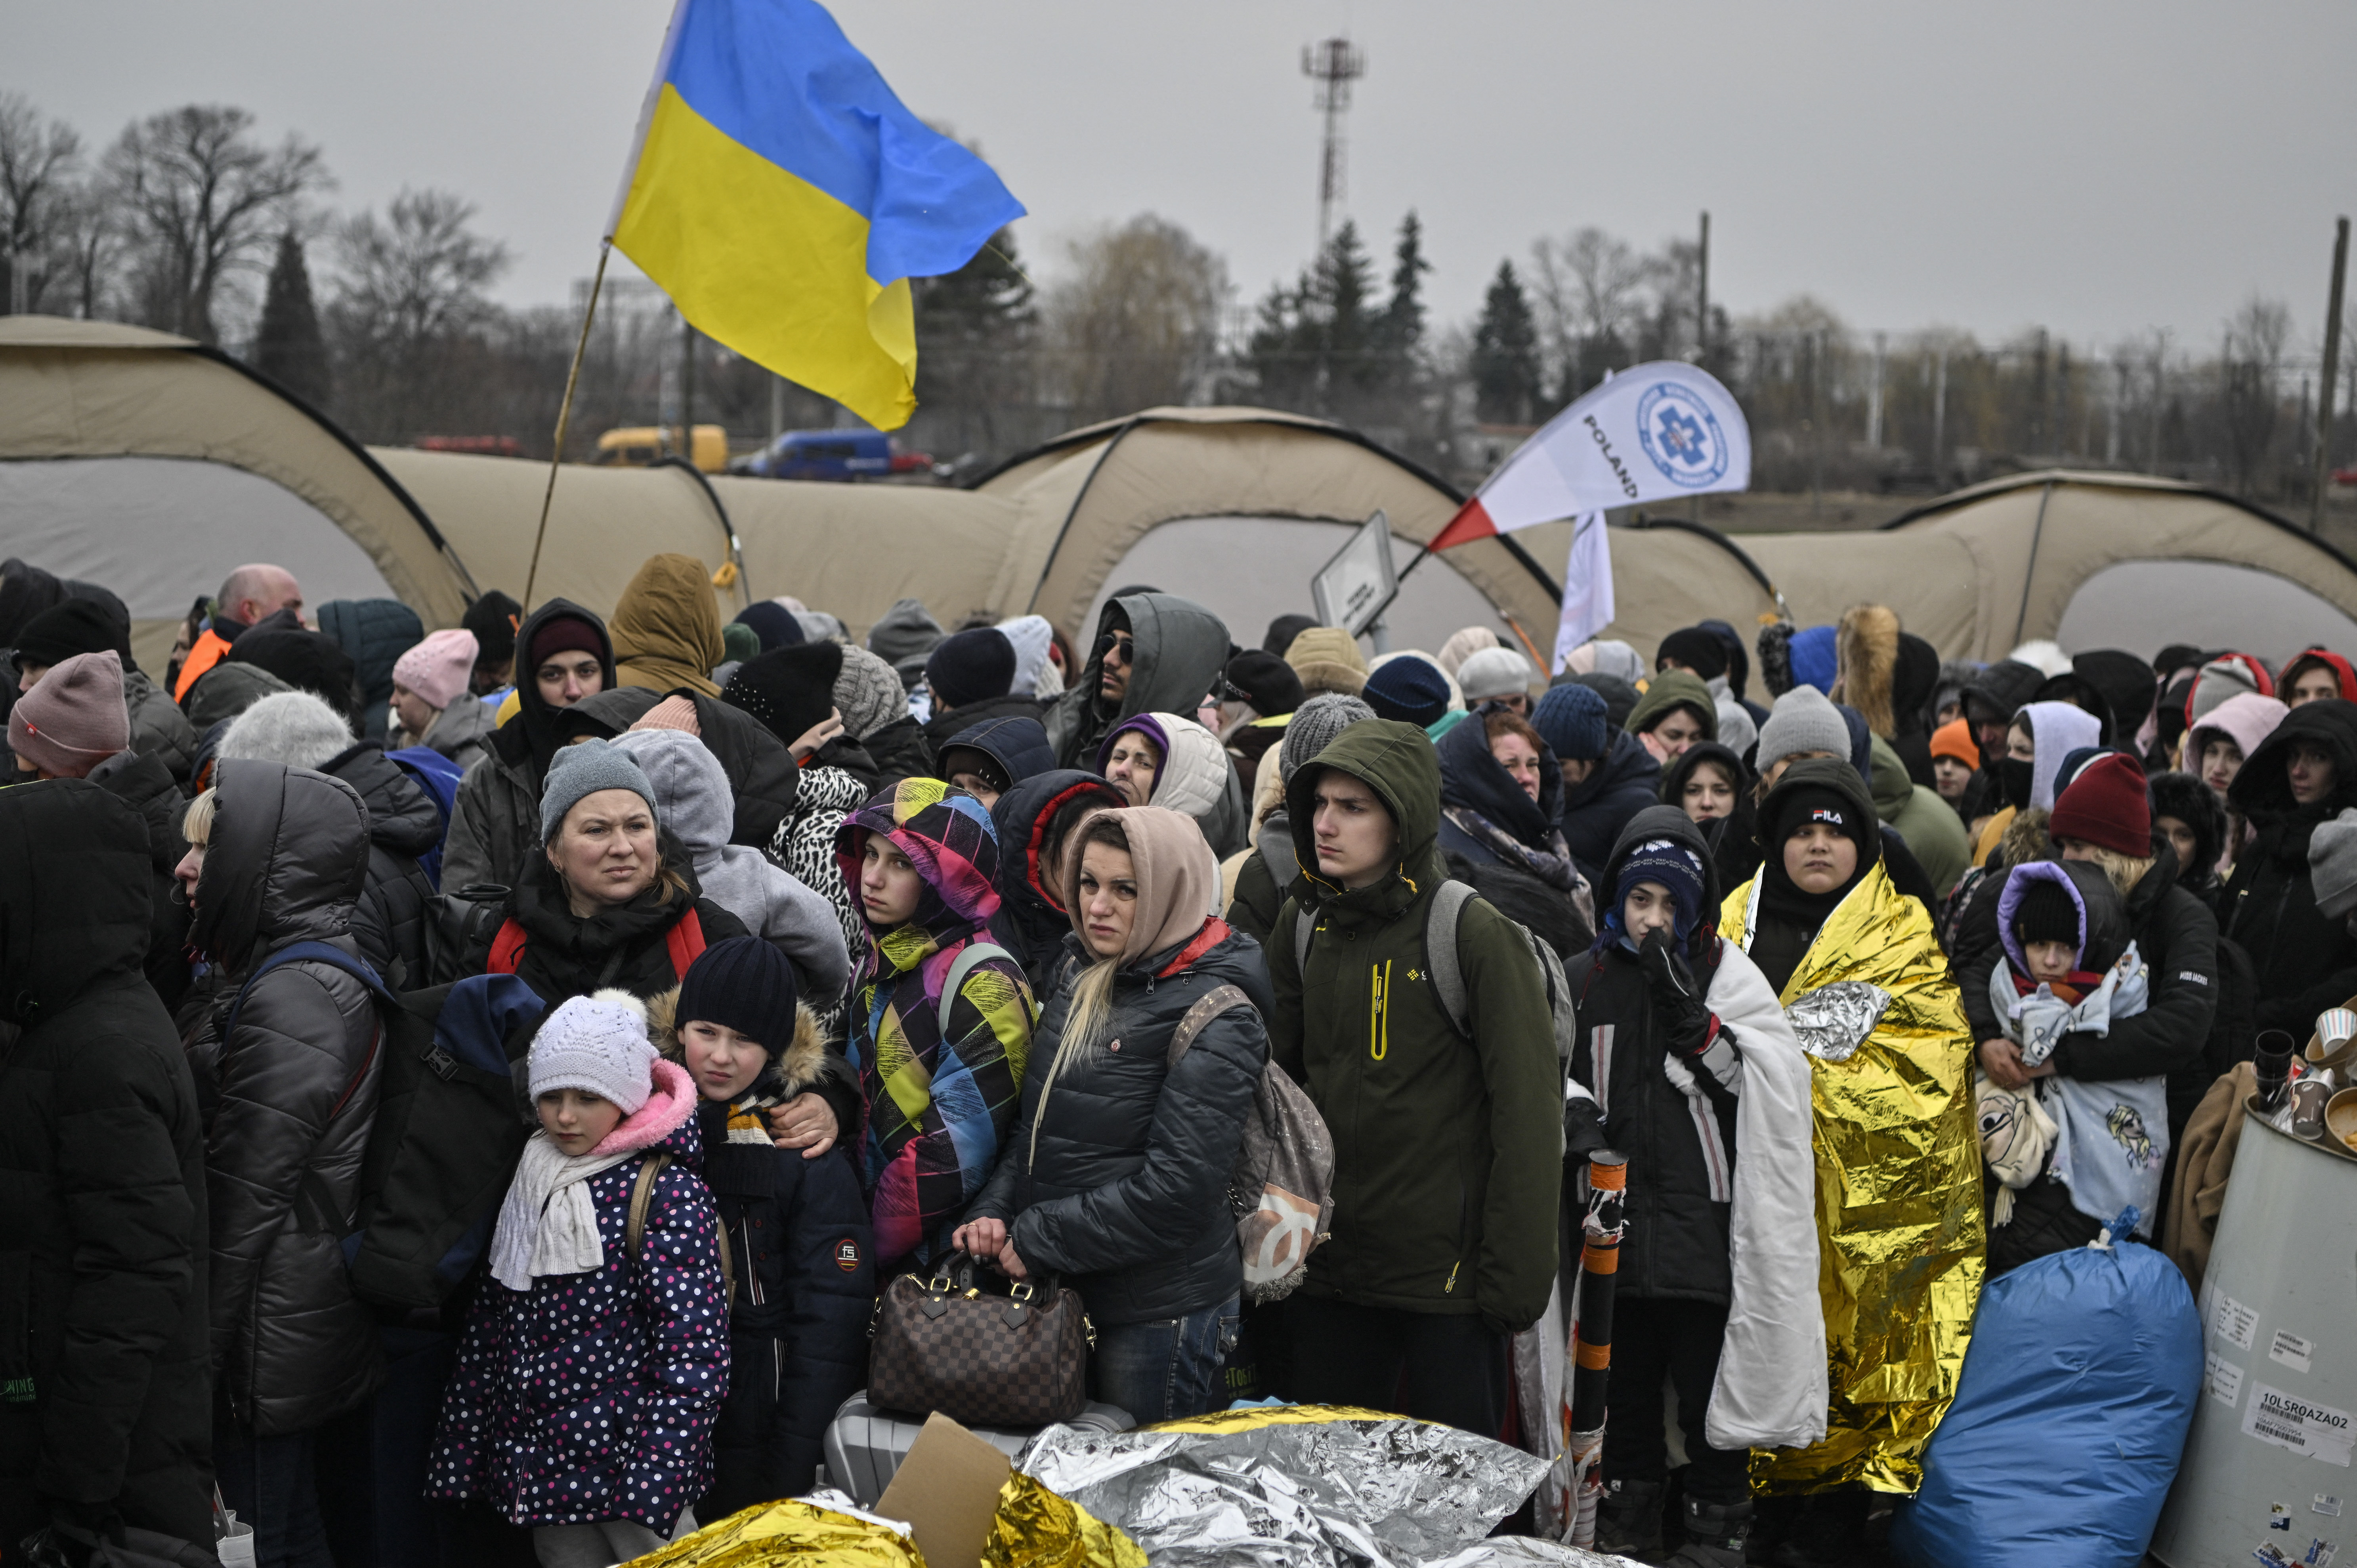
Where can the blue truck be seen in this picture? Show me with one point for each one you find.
(833, 455)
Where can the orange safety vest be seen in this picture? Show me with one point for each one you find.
(208, 649)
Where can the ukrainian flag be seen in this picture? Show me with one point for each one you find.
(783, 197)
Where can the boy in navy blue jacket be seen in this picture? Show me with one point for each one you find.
(794, 1222)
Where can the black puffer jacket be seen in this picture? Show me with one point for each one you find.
(1678, 1232)
(2304, 962)
(102, 1185)
(145, 784)
(294, 1088)
(1122, 1186)
(565, 955)
(798, 1237)
(389, 922)
(1030, 924)
(1625, 780)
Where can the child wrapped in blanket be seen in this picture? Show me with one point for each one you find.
(2076, 1151)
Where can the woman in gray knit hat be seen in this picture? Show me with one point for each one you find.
(612, 899)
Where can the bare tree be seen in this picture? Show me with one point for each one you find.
(39, 163)
(2250, 368)
(1589, 294)
(1134, 321)
(409, 307)
(202, 198)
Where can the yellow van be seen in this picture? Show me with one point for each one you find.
(643, 446)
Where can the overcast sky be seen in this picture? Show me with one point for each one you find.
(2099, 169)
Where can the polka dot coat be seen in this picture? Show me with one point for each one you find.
(592, 1396)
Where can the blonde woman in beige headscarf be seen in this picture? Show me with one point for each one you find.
(1116, 1176)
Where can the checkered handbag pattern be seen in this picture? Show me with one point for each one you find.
(979, 1358)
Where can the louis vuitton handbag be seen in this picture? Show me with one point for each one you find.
(983, 1357)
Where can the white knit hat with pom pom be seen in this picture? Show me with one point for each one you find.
(597, 1044)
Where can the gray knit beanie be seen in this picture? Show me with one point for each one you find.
(868, 692)
(1803, 719)
(597, 1044)
(581, 770)
(1315, 725)
(2332, 864)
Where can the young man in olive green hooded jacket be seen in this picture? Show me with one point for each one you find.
(1447, 1151)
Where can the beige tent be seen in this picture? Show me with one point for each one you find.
(2091, 560)
(153, 464)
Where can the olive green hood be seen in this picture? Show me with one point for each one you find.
(1398, 763)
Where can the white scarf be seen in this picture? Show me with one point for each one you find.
(549, 1224)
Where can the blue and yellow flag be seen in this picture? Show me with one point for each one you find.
(783, 197)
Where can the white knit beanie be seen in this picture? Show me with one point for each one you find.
(1494, 672)
(597, 1044)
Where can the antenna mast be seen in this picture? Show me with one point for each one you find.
(1333, 65)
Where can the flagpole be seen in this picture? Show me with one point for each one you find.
(564, 418)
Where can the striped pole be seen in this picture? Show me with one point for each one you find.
(1591, 1339)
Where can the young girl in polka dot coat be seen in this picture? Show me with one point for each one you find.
(589, 1377)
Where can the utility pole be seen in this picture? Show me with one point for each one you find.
(1702, 295)
(1333, 65)
(2325, 386)
(1873, 397)
(687, 390)
(1940, 416)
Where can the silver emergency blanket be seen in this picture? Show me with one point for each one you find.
(1835, 1020)
(1522, 1552)
(1291, 1487)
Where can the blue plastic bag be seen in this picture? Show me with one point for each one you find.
(2068, 1422)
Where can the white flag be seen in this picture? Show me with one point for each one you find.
(1650, 434)
(1587, 589)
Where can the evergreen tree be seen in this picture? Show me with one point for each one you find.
(1505, 360)
(1346, 281)
(1402, 328)
(973, 330)
(288, 348)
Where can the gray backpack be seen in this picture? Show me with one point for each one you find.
(1281, 1187)
(1447, 974)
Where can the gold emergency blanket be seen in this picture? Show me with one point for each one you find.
(1036, 1529)
(1902, 1244)
(1033, 1528)
(796, 1531)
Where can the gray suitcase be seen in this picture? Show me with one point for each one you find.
(865, 1445)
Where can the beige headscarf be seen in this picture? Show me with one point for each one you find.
(1177, 877)
(666, 627)
(1462, 645)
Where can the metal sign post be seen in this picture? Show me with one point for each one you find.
(1354, 589)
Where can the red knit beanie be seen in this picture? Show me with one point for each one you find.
(74, 719)
(2107, 805)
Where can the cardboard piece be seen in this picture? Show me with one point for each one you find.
(947, 1488)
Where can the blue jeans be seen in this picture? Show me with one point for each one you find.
(1166, 1368)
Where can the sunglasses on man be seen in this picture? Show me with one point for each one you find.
(1117, 646)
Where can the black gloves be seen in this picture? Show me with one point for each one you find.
(1687, 1025)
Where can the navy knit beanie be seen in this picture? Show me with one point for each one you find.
(745, 984)
(1409, 689)
(1572, 720)
(1670, 865)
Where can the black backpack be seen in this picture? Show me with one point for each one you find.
(451, 1122)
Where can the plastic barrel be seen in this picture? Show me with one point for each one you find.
(2266, 1476)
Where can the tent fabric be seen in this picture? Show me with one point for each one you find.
(84, 389)
(1975, 573)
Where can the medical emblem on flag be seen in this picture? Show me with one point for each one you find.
(1680, 434)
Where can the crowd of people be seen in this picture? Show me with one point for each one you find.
(804, 961)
